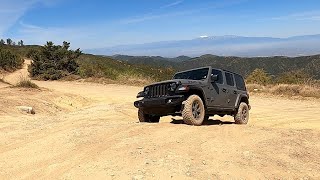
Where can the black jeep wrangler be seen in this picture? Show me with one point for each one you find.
(195, 95)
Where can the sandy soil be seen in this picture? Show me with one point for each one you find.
(90, 131)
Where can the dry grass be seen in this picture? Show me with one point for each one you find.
(255, 88)
(303, 90)
(25, 82)
(71, 77)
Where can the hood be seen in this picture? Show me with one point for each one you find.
(181, 81)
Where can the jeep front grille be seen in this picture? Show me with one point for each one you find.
(159, 90)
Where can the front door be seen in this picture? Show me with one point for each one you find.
(217, 91)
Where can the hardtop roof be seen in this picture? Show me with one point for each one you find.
(209, 68)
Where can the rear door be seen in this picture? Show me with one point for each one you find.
(231, 91)
(241, 86)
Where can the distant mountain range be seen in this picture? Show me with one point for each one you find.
(222, 46)
(244, 65)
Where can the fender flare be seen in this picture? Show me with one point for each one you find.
(241, 98)
(195, 88)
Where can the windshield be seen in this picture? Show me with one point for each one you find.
(198, 74)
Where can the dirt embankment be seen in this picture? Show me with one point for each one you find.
(90, 131)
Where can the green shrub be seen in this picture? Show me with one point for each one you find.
(259, 76)
(10, 61)
(53, 62)
(31, 53)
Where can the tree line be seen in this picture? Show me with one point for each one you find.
(10, 42)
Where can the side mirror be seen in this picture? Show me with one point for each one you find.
(214, 78)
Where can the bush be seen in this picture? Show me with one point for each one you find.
(53, 62)
(259, 76)
(31, 53)
(26, 83)
(293, 77)
(10, 61)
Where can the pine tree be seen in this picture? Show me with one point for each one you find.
(2, 42)
(20, 43)
(9, 41)
(53, 62)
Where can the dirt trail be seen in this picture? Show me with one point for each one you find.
(90, 131)
(15, 77)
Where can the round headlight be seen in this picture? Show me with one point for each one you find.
(173, 86)
(146, 90)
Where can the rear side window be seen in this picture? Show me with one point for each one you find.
(219, 73)
(229, 79)
(240, 82)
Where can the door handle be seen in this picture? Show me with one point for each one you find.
(224, 90)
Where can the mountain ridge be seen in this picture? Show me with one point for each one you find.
(274, 65)
(228, 45)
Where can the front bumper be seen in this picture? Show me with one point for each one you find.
(166, 101)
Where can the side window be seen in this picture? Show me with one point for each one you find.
(219, 73)
(240, 82)
(229, 79)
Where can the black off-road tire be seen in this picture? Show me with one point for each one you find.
(154, 119)
(206, 120)
(193, 111)
(147, 118)
(242, 116)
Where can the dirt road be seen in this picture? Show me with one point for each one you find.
(90, 131)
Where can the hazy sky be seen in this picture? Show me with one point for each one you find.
(103, 23)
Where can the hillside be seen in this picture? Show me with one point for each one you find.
(101, 66)
(94, 66)
(244, 66)
(20, 50)
(150, 58)
(273, 65)
(156, 61)
(159, 68)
